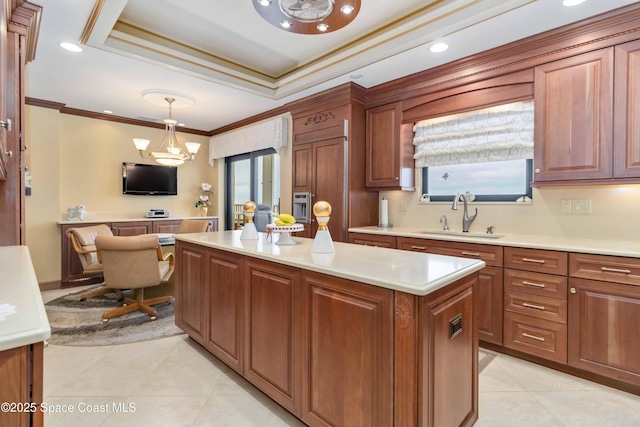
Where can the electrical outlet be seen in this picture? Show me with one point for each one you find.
(582, 206)
(567, 206)
(402, 206)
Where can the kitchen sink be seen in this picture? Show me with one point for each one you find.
(461, 234)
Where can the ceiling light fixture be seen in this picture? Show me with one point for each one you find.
(170, 151)
(108, 112)
(570, 3)
(439, 47)
(308, 16)
(70, 47)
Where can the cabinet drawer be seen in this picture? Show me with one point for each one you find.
(491, 255)
(546, 285)
(605, 268)
(538, 337)
(373, 240)
(539, 260)
(536, 306)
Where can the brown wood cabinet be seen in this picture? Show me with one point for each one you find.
(489, 295)
(21, 370)
(604, 315)
(373, 240)
(574, 118)
(223, 308)
(626, 138)
(334, 351)
(272, 333)
(133, 228)
(319, 168)
(535, 302)
(170, 226)
(390, 164)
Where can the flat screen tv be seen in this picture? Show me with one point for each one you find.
(149, 180)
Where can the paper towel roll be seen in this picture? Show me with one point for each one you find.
(384, 212)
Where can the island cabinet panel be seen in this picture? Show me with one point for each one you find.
(21, 370)
(448, 355)
(603, 329)
(223, 292)
(272, 334)
(190, 288)
(347, 358)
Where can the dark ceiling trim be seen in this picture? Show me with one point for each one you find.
(25, 20)
(108, 117)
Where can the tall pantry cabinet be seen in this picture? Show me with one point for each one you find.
(329, 158)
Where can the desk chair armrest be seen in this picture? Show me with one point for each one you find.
(172, 262)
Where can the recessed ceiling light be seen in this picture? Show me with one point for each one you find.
(356, 76)
(264, 2)
(70, 47)
(439, 47)
(108, 112)
(285, 24)
(346, 9)
(570, 3)
(181, 124)
(322, 27)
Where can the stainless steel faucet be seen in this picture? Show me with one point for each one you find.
(466, 221)
(446, 225)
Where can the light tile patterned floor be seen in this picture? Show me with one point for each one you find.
(174, 382)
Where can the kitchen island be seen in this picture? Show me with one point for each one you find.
(360, 337)
(23, 328)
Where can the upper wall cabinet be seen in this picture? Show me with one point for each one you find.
(389, 149)
(573, 118)
(627, 111)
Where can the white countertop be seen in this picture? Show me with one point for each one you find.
(411, 272)
(102, 219)
(23, 319)
(554, 243)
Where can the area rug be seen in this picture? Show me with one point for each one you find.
(484, 358)
(79, 323)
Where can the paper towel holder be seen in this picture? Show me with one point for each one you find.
(385, 225)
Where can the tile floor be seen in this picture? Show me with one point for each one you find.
(174, 382)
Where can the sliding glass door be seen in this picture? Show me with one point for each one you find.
(252, 176)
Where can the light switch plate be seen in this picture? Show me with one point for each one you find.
(567, 206)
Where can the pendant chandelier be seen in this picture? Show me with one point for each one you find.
(170, 151)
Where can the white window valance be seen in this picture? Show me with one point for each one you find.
(271, 133)
(503, 132)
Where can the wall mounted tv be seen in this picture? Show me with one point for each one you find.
(149, 180)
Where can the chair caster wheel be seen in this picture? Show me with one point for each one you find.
(83, 299)
(125, 304)
(105, 320)
(153, 317)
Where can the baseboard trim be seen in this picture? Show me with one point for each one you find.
(49, 286)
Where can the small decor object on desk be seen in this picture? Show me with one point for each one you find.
(204, 201)
(76, 212)
(249, 231)
(322, 243)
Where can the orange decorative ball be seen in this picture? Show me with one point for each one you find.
(322, 208)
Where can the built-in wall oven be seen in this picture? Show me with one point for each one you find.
(302, 207)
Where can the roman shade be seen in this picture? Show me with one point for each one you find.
(271, 133)
(503, 132)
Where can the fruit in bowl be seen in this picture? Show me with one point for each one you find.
(284, 220)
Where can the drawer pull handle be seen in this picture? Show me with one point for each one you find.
(471, 253)
(537, 285)
(616, 270)
(537, 261)
(524, 334)
(422, 248)
(537, 307)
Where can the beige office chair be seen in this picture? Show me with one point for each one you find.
(83, 242)
(134, 262)
(195, 226)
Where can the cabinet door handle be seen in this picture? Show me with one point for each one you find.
(573, 290)
(524, 334)
(537, 285)
(470, 253)
(422, 248)
(537, 307)
(616, 270)
(537, 261)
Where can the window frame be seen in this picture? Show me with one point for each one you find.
(482, 197)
